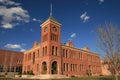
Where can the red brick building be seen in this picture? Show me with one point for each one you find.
(10, 61)
(52, 57)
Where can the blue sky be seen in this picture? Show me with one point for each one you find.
(20, 21)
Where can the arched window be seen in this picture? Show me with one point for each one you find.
(44, 68)
(54, 68)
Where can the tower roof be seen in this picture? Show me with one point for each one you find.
(50, 18)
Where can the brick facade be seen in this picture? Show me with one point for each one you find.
(52, 57)
(10, 61)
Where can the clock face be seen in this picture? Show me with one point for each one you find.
(54, 29)
(45, 29)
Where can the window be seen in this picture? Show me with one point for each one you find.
(26, 57)
(54, 37)
(1, 68)
(38, 53)
(51, 36)
(64, 67)
(54, 29)
(29, 56)
(43, 51)
(19, 69)
(45, 29)
(52, 50)
(11, 69)
(56, 51)
(66, 53)
(71, 67)
(33, 57)
(46, 50)
(63, 52)
(44, 68)
(80, 55)
(81, 67)
(76, 67)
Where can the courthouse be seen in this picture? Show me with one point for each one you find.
(51, 57)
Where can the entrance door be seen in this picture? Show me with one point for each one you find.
(44, 68)
(54, 68)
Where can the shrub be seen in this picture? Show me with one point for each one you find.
(28, 72)
(24, 73)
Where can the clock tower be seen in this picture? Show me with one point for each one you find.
(50, 45)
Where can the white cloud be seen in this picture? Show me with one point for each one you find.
(36, 20)
(101, 1)
(13, 15)
(73, 35)
(15, 46)
(84, 17)
(7, 25)
(22, 50)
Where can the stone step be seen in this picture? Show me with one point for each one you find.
(50, 76)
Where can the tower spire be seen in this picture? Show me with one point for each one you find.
(51, 9)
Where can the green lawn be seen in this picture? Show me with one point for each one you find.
(73, 78)
(92, 78)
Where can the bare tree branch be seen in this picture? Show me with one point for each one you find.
(109, 42)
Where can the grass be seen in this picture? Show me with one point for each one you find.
(92, 78)
(73, 78)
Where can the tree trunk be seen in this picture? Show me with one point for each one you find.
(116, 75)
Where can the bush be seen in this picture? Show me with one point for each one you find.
(31, 72)
(28, 72)
(100, 75)
(24, 73)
